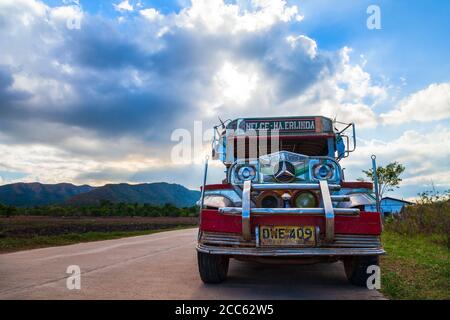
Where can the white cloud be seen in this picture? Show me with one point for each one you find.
(354, 82)
(217, 16)
(66, 13)
(234, 84)
(347, 94)
(429, 104)
(307, 44)
(425, 156)
(123, 6)
(151, 14)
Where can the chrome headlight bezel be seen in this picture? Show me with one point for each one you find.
(328, 166)
(323, 171)
(246, 172)
(236, 174)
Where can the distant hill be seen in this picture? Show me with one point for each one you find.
(38, 194)
(152, 193)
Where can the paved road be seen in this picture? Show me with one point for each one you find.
(161, 266)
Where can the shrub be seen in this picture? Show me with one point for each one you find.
(431, 215)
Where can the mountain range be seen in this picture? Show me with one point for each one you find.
(38, 194)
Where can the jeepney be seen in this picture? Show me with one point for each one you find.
(284, 198)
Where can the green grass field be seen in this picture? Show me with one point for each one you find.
(415, 267)
(417, 242)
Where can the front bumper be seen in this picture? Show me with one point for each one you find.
(290, 252)
(343, 245)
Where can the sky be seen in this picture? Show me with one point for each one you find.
(91, 92)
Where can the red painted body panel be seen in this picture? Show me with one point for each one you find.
(366, 223)
(357, 185)
(222, 186)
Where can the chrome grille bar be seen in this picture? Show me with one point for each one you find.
(292, 186)
(340, 198)
(329, 210)
(245, 211)
(289, 211)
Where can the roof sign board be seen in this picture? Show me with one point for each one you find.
(283, 125)
(291, 125)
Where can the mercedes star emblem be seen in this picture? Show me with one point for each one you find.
(284, 171)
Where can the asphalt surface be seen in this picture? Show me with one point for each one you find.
(162, 266)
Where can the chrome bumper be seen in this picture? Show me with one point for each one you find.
(290, 252)
(343, 245)
(328, 211)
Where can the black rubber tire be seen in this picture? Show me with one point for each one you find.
(356, 269)
(213, 268)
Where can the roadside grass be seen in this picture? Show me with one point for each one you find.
(30, 226)
(12, 244)
(416, 266)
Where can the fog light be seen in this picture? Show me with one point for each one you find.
(269, 200)
(305, 200)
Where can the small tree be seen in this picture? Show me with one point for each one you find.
(388, 177)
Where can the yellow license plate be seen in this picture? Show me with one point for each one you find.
(291, 236)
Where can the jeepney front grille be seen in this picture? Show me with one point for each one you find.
(340, 240)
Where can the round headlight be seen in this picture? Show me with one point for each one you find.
(246, 173)
(323, 171)
(305, 200)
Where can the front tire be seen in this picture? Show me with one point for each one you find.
(213, 268)
(356, 269)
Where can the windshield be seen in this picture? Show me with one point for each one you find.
(307, 146)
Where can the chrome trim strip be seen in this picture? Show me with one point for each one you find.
(257, 236)
(246, 231)
(205, 175)
(329, 212)
(318, 240)
(292, 186)
(279, 252)
(289, 211)
(340, 198)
